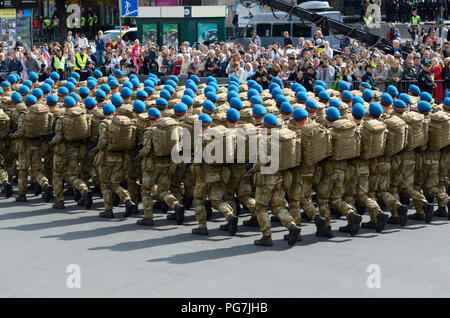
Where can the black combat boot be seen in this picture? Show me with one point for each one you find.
(224, 227)
(96, 190)
(417, 216)
(381, 221)
(21, 198)
(402, 210)
(109, 214)
(441, 212)
(80, 202)
(369, 225)
(337, 214)
(32, 186)
(130, 208)
(37, 190)
(87, 197)
(253, 221)
(68, 192)
(305, 217)
(59, 205)
(294, 235)
(355, 223)
(264, 241)
(382, 205)
(115, 199)
(361, 210)
(233, 221)
(200, 231)
(76, 195)
(430, 199)
(164, 207)
(179, 214)
(208, 207)
(145, 221)
(187, 203)
(157, 206)
(404, 199)
(139, 189)
(8, 190)
(320, 225)
(429, 211)
(238, 206)
(48, 193)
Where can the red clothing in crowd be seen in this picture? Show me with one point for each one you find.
(36, 24)
(438, 91)
(177, 68)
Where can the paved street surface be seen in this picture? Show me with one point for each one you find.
(117, 258)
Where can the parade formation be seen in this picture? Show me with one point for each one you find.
(337, 151)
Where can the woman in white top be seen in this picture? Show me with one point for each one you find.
(328, 50)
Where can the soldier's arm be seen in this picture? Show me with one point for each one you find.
(59, 137)
(146, 144)
(102, 136)
(20, 132)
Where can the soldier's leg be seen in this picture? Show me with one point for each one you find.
(24, 163)
(200, 192)
(148, 180)
(132, 180)
(407, 184)
(278, 205)
(118, 169)
(431, 185)
(263, 196)
(105, 185)
(245, 193)
(216, 192)
(294, 194)
(323, 195)
(306, 180)
(59, 164)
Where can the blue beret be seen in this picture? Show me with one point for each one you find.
(173, 78)
(324, 95)
(424, 106)
(368, 93)
(232, 94)
(293, 86)
(70, 86)
(204, 118)
(414, 89)
(300, 113)
(132, 76)
(69, 101)
(118, 72)
(125, 92)
(321, 83)
(141, 93)
(153, 76)
(386, 98)
(211, 79)
(343, 85)
(11, 78)
(405, 97)
(16, 97)
(300, 95)
(252, 92)
(426, 96)
(37, 92)
(277, 80)
(192, 86)
(286, 107)
(189, 92)
(333, 113)
(75, 75)
(33, 76)
(233, 88)
(161, 101)
(91, 83)
(6, 84)
(250, 83)
(233, 78)
(208, 105)
(311, 103)
(27, 83)
(171, 83)
(270, 119)
(139, 106)
(280, 98)
(209, 89)
(108, 109)
(98, 73)
(277, 91)
(24, 89)
(52, 99)
(105, 87)
(100, 93)
(399, 103)
(116, 100)
(346, 95)
(31, 99)
(275, 85)
(233, 114)
(49, 81)
(237, 103)
(335, 103)
(1, 90)
(92, 78)
(180, 108)
(46, 88)
(75, 96)
(154, 112)
(259, 110)
(212, 96)
(258, 88)
(164, 94)
(213, 84)
(90, 102)
(135, 82)
(188, 100)
(127, 84)
(358, 110)
(63, 90)
(300, 88)
(447, 101)
(318, 88)
(365, 85)
(195, 78)
(84, 90)
(391, 89)
(148, 82)
(17, 77)
(375, 109)
(72, 80)
(54, 76)
(256, 100)
(113, 82)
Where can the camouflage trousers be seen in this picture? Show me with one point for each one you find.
(66, 164)
(300, 193)
(182, 182)
(380, 181)
(30, 163)
(10, 163)
(402, 178)
(156, 172)
(113, 166)
(269, 191)
(427, 176)
(3, 173)
(210, 181)
(357, 187)
(48, 165)
(242, 186)
(88, 169)
(134, 174)
(444, 168)
(330, 189)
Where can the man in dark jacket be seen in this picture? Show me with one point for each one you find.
(368, 78)
(15, 65)
(409, 73)
(424, 80)
(309, 78)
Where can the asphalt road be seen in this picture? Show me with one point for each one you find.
(117, 258)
